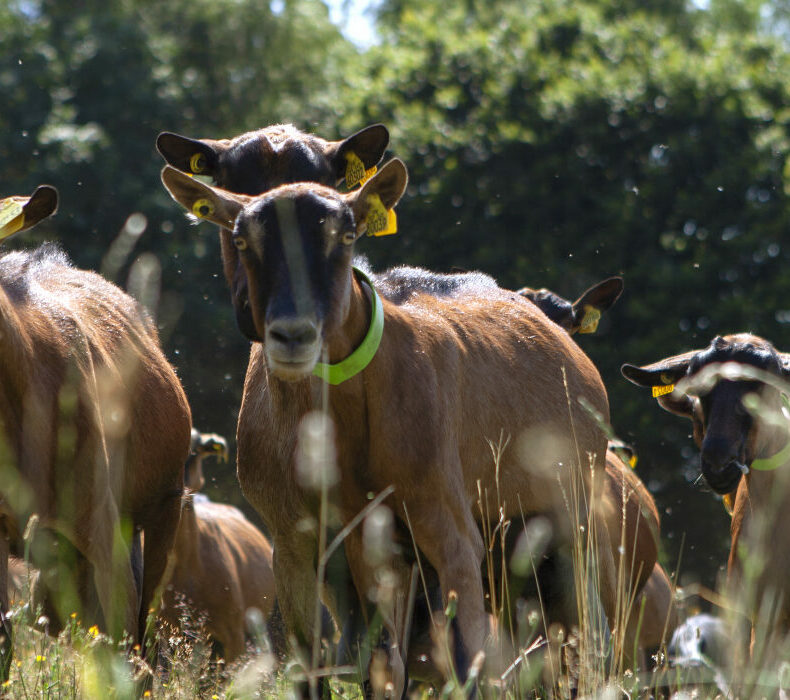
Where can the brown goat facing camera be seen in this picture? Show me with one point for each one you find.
(95, 433)
(253, 163)
(222, 563)
(450, 372)
(733, 391)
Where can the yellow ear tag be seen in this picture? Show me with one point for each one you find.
(197, 163)
(380, 220)
(729, 505)
(12, 217)
(202, 208)
(662, 390)
(590, 319)
(355, 170)
(632, 462)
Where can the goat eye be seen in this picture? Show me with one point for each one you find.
(197, 163)
(202, 208)
(240, 243)
(348, 237)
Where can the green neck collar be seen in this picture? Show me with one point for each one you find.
(782, 457)
(361, 357)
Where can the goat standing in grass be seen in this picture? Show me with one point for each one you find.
(222, 562)
(95, 429)
(734, 392)
(450, 372)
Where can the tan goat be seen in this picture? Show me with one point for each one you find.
(95, 431)
(222, 562)
(451, 372)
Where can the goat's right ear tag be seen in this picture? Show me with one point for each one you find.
(632, 461)
(380, 220)
(12, 217)
(663, 390)
(590, 319)
(355, 170)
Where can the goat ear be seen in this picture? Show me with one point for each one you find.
(661, 377)
(587, 309)
(681, 405)
(388, 184)
(203, 201)
(661, 373)
(196, 156)
(368, 145)
(21, 213)
(557, 308)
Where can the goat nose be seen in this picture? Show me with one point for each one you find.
(293, 331)
(717, 452)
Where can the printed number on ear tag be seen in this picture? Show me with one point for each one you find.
(380, 220)
(12, 217)
(590, 320)
(355, 170)
(662, 390)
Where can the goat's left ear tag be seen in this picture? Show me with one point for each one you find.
(590, 319)
(203, 208)
(663, 390)
(197, 163)
(12, 217)
(729, 503)
(380, 220)
(632, 461)
(355, 170)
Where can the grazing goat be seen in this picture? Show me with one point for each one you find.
(740, 448)
(413, 406)
(222, 562)
(95, 429)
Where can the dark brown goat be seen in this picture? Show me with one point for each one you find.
(452, 371)
(95, 431)
(734, 440)
(222, 562)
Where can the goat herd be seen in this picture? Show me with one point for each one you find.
(452, 413)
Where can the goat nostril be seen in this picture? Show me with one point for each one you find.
(293, 332)
(279, 337)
